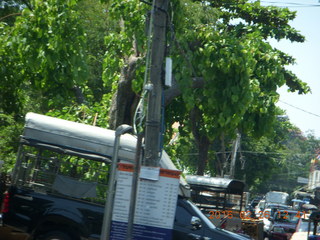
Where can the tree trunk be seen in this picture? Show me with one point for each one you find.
(124, 101)
(202, 141)
(203, 146)
(221, 157)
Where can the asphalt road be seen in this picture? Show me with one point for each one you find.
(9, 234)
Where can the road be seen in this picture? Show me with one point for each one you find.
(9, 234)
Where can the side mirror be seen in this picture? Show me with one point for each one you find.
(195, 223)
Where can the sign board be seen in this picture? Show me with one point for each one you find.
(155, 204)
(303, 180)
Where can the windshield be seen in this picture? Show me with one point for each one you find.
(303, 227)
(277, 197)
(287, 217)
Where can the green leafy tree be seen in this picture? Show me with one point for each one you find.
(96, 24)
(43, 53)
(240, 72)
(9, 9)
(225, 72)
(296, 157)
(124, 65)
(9, 140)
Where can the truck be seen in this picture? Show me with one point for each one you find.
(59, 184)
(275, 197)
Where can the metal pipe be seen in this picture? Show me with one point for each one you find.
(107, 217)
(134, 188)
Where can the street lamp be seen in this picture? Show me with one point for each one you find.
(105, 232)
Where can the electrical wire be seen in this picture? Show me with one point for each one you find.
(291, 4)
(312, 155)
(140, 112)
(285, 4)
(316, 115)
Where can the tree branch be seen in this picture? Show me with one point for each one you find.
(9, 15)
(175, 91)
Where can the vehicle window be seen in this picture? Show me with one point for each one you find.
(261, 204)
(183, 217)
(199, 214)
(254, 203)
(285, 216)
(53, 170)
(303, 227)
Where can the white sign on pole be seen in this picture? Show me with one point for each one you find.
(303, 180)
(150, 173)
(155, 205)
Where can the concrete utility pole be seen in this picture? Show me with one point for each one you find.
(235, 147)
(153, 121)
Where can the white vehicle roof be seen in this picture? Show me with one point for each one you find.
(84, 138)
(77, 136)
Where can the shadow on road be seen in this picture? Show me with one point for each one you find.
(9, 234)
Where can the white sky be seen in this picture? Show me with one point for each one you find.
(303, 110)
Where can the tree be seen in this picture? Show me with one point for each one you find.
(43, 53)
(9, 140)
(123, 64)
(96, 24)
(225, 72)
(240, 71)
(297, 155)
(9, 9)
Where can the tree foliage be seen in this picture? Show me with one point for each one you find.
(241, 71)
(44, 51)
(86, 61)
(44, 55)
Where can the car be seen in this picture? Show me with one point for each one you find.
(259, 208)
(191, 223)
(277, 206)
(283, 224)
(277, 197)
(268, 213)
(50, 197)
(302, 229)
(251, 206)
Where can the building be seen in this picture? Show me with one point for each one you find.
(314, 175)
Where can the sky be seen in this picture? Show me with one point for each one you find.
(303, 110)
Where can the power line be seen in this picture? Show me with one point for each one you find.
(300, 109)
(291, 4)
(311, 155)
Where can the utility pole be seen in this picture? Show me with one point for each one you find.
(153, 121)
(158, 26)
(235, 147)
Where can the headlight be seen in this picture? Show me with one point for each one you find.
(278, 230)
